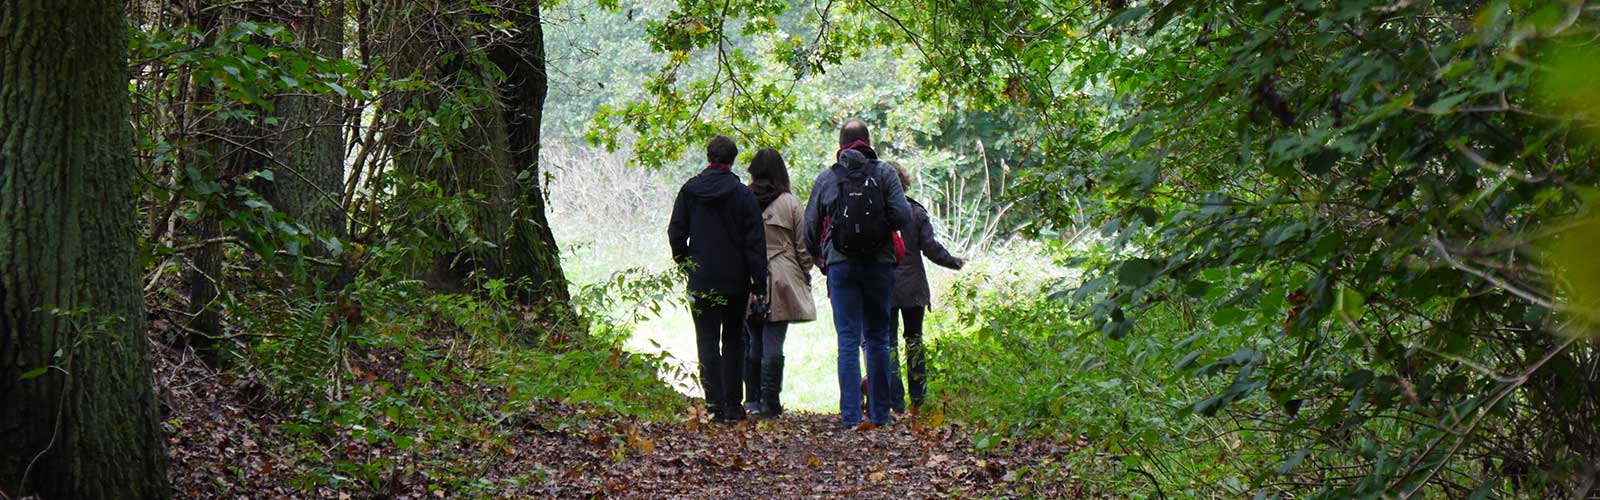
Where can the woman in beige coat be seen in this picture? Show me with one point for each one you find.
(788, 285)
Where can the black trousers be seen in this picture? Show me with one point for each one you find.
(916, 356)
(719, 337)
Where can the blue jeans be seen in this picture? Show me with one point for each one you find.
(860, 292)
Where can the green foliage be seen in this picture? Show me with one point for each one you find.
(1020, 365)
(1349, 201)
(416, 374)
(1348, 170)
(243, 68)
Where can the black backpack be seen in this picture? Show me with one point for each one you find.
(858, 220)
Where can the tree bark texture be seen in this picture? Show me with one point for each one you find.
(311, 146)
(78, 415)
(234, 146)
(497, 157)
(531, 250)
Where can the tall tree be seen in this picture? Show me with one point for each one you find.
(530, 249)
(311, 146)
(77, 405)
(473, 131)
(234, 144)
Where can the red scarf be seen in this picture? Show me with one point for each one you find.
(859, 145)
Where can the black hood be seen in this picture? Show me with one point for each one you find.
(712, 184)
(853, 159)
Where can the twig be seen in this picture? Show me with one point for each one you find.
(1483, 413)
(206, 243)
(1500, 283)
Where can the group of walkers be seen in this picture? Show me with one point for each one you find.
(749, 251)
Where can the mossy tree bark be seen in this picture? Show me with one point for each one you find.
(497, 156)
(78, 415)
(530, 249)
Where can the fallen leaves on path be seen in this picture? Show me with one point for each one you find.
(227, 438)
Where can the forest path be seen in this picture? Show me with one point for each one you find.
(807, 455)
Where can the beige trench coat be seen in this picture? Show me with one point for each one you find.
(788, 265)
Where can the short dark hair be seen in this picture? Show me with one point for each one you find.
(767, 167)
(721, 149)
(852, 131)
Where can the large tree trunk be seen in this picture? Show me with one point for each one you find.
(86, 427)
(530, 249)
(311, 147)
(498, 156)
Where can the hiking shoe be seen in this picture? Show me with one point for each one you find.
(733, 413)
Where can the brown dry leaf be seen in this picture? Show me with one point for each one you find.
(994, 470)
(814, 462)
(697, 418)
(877, 477)
(640, 443)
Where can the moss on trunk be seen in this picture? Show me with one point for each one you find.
(70, 302)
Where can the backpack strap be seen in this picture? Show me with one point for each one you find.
(839, 172)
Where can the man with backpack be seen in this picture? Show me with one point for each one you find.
(856, 206)
(717, 234)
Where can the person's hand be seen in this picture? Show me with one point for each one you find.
(960, 263)
(821, 264)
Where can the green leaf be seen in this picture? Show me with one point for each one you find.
(1349, 304)
(1227, 316)
(1136, 272)
(1292, 461)
(34, 373)
(1188, 360)
(1445, 104)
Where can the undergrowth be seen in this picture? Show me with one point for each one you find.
(421, 382)
(1015, 361)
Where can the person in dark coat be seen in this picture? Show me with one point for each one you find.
(859, 287)
(717, 235)
(912, 298)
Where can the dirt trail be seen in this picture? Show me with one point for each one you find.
(228, 438)
(806, 455)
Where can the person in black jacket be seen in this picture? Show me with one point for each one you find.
(912, 299)
(717, 234)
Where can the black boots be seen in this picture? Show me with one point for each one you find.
(752, 384)
(771, 385)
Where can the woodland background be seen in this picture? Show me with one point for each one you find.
(1316, 249)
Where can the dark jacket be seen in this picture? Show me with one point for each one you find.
(910, 278)
(716, 224)
(826, 190)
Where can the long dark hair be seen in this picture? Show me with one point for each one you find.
(768, 176)
(768, 166)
